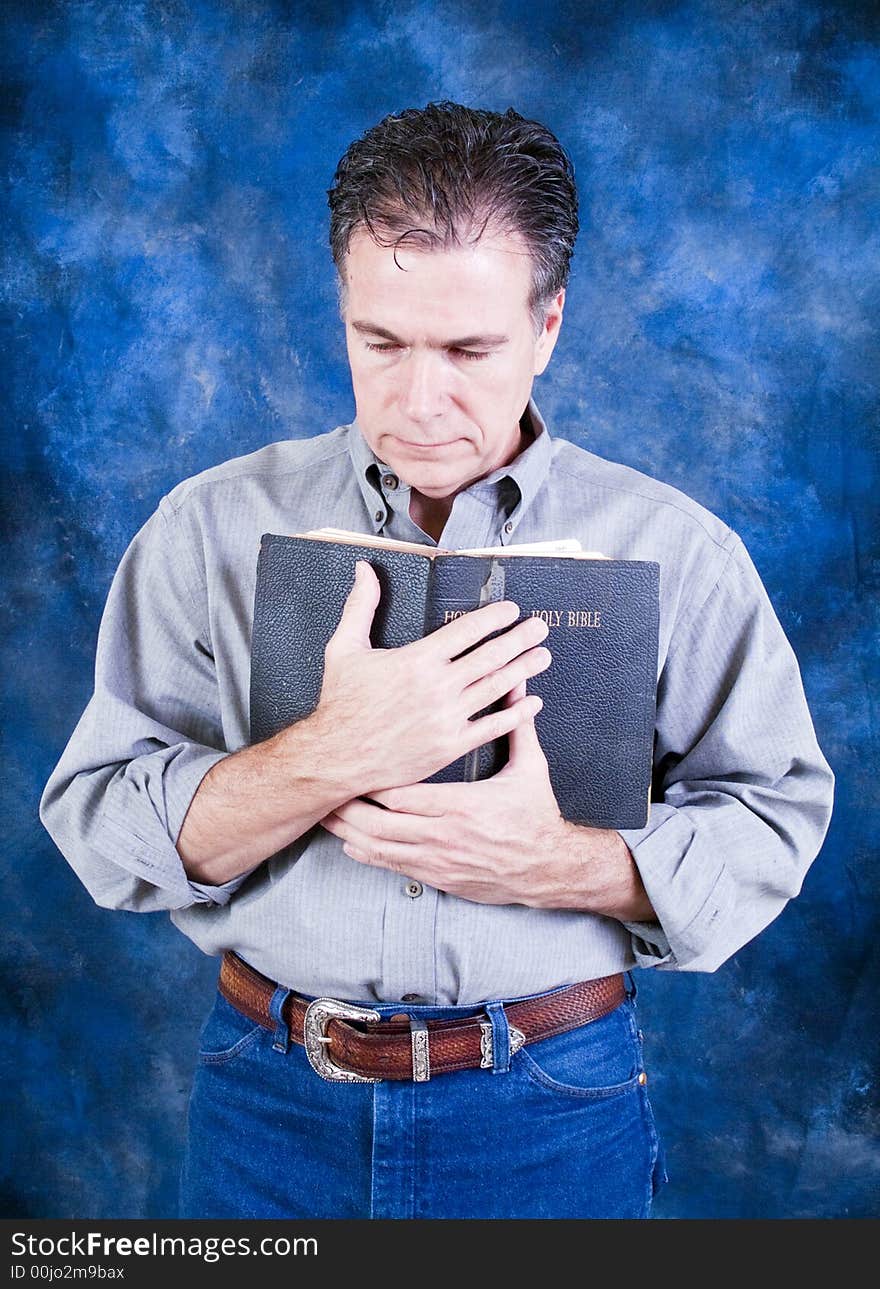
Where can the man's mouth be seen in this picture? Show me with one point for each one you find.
(427, 447)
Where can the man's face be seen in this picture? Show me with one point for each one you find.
(443, 354)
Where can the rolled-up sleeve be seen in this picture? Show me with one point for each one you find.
(743, 791)
(116, 801)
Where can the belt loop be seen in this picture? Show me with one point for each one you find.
(282, 1030)
(632, 990)
(500, 1037)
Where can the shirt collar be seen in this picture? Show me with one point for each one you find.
(527, 471)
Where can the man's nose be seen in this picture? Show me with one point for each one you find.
(422, 394)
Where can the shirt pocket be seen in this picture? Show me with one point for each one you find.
(600, 1059)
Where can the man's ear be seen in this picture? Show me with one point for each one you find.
(549, 334)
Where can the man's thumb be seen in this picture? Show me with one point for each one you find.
(523, 741)
(359, 608)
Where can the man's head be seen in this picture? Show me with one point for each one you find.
(452, 230)
(440, 176)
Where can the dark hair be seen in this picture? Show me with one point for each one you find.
(442, 173)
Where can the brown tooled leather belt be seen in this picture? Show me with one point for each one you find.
(351, 1044)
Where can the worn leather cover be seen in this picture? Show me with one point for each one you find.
(597, 724)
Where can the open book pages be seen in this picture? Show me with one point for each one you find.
(568, 547)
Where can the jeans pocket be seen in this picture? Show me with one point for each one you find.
(226, 1033)
(600, 1059)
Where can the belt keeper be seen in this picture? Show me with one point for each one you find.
(421, 1057)
(500, 1038)
(282, 1029)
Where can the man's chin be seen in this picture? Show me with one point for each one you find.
(437, 484)
(436, 478)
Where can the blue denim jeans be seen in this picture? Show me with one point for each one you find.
(561, 1129)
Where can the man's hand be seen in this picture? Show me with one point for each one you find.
(498, 841)
(395, 716)
(385, 717)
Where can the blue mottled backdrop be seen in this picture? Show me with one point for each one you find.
(169, 302)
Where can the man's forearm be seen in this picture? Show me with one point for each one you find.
(610, 882)
(256, 801)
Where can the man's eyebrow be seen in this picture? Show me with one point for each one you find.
(465, 342)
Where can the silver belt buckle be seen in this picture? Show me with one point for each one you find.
(318, 1013)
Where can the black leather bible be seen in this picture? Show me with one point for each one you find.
(596, 727)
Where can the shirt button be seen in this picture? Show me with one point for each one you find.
(390, 481)
(414, 890)
(410, 998)
(508, 527)
(379, 516)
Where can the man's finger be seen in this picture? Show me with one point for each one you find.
(494, 654)
(359, 608)
(496, 684)
(432, 800)
(483, 729)
(460, 634)
(522, 741)
(382, 852)
(381, 825)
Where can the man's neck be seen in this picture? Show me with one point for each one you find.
(431, 513)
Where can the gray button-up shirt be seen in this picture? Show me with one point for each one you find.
(742, 793)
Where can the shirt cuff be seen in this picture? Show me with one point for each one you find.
(154, 858)
(687, 893)
(649, 944)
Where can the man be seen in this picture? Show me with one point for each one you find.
(479, 1054)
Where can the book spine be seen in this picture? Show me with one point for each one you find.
(458, 585)
(492, 590)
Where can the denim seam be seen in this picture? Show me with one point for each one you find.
(373, 1157)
